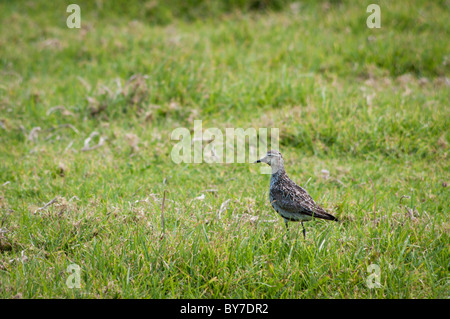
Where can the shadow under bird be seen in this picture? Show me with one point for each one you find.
(291, 201)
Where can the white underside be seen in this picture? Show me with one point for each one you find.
(295, 216)
(288, 215)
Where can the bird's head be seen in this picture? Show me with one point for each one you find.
(274, 159)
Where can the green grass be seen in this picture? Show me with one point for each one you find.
(369, 106)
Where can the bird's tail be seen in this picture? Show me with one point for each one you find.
(324, 215)
(331, 217)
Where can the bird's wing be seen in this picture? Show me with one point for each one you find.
(295, 199)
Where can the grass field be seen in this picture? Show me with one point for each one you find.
(363, 117)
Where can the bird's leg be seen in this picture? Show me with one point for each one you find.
(304, 231)
(286, 233)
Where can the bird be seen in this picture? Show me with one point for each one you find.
(291, 202)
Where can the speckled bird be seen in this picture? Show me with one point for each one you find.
(291, 201)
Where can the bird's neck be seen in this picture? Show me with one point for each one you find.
(277, 168)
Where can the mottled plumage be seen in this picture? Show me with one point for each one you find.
(291, 201)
